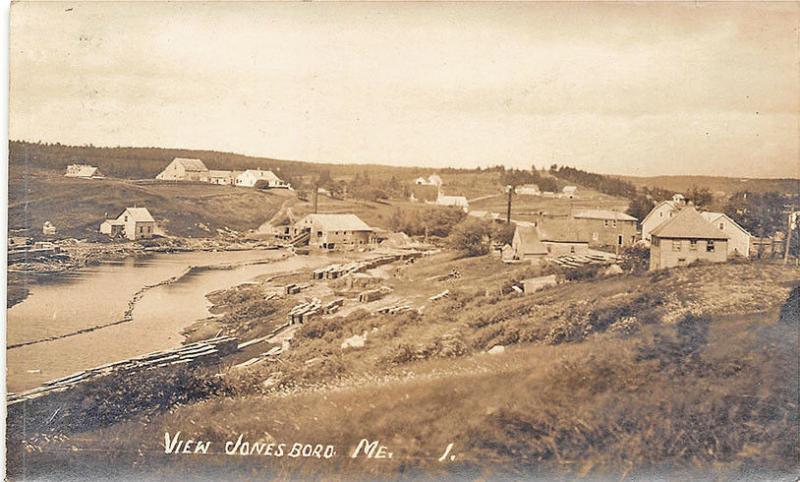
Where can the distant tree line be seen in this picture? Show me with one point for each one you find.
(605, 184)
(518, 177)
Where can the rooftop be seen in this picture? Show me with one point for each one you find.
(191, 164)
(603, 214)
(688, 224)
(339, 222)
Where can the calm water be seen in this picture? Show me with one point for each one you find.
(100, 295)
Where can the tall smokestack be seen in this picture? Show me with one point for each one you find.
(316, 189)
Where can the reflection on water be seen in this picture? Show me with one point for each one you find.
(100, 294)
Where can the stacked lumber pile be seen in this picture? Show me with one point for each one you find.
(304, 311)
(577, 261)
(333, 306)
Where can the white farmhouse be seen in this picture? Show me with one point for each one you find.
(661, 213)
(182, 169)
(134, 223)
(569, 192)
(528, 190)
(738, 237)
(250, 177)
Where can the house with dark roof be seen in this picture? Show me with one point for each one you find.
(685, 238)
(134, 223)
(334, 231)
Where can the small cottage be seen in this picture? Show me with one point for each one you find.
(526, 245)
(528, 190)
(83, 171)
(134, 223)
(267, 179)
(569, 192)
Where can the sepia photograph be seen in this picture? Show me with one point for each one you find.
(403, 241)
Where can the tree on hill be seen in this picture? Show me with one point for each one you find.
(700, 196)
(605, 184)
(762, 214)
(640, 206)
(471, 237)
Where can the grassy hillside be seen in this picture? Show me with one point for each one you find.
(77, 206)
(609, 377)
(717, 184)
(146, 162)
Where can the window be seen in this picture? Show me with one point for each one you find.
(676, 244)
(710, 246)
(605, 223)
(693, 245)
(722, 226)
(620, 240)
(572, 249)
(614, 223)
(595, 236)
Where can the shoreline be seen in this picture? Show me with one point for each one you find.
(93, 253)
(128, 313)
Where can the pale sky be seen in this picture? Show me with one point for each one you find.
(639, 89)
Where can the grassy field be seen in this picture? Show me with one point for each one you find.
(526, 207)
(686, 371)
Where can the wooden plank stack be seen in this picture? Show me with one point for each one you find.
(304, 311)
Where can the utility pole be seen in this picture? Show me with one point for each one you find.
(316, 193)
(510, 190)
(788, 237)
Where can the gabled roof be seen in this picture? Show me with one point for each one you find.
(339, 222)
(671, 204)
(190, 164)
(569, 189)
(529, 240)
(562, 231)
(688, 224)
(140, 215)
(712, 217)
(259, 174)
(82, 170)
(603, 214)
